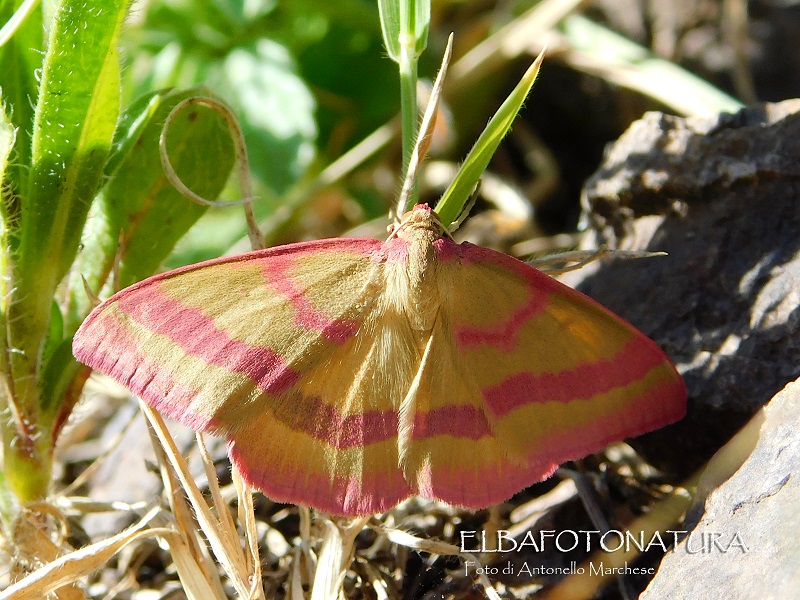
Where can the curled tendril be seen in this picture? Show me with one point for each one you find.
(243, 166)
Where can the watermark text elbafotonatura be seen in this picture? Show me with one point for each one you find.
(614, 540)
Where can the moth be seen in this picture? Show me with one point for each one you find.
(350, 374)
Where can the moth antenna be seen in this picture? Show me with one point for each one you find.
(445, 230)
(581, 258)
(473, 198)
(242, 163)
(424, 136)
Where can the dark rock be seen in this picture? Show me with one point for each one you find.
(662, 159)
(723, 303)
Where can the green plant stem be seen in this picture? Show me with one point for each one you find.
(27, 465)
(408, 110)
(69, 141)
(26, 445)
(405, 24)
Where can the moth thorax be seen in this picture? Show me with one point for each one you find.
(420, 228)
(422, 295)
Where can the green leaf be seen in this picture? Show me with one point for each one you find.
(421, 20)
(54, 346)
(405, 25)
(58, 372)
(150, 213)
(74, 119)
(20, 56)
(277, 112)
(140, 216)
(132, 123)
(391, 27)
(7, 139)
(96, 256)
(76, 110)
(456, 195)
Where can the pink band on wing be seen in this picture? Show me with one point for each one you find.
(118, 355)
(581, 382)
(461, 421)
(503, 335)
(338, 430)
(655, 408)
(278, 274)
(198, 335)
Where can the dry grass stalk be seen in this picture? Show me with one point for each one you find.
(336, 555)
(71, 567)
(221, 535)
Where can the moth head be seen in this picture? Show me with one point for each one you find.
(420, 219)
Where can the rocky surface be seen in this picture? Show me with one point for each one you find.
(754, 519)
(725, 193)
